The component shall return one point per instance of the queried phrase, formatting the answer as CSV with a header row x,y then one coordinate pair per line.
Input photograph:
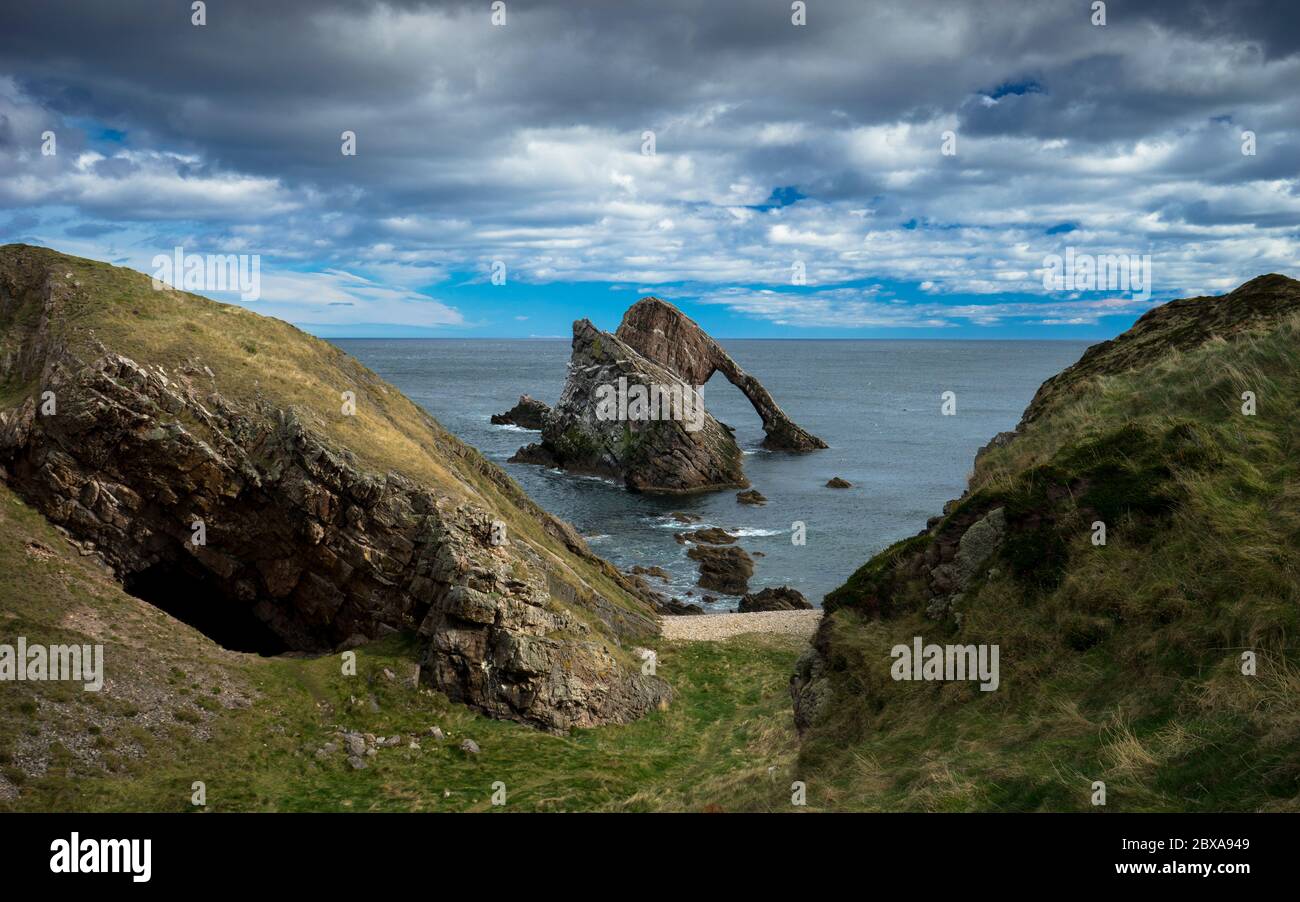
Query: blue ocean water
x,y
876,403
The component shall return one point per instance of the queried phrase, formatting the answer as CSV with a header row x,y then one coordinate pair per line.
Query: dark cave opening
x,y
189,594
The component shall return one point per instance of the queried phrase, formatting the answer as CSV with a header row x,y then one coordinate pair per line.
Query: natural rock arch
x,y
663,334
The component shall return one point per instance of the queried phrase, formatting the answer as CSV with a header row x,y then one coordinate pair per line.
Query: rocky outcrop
x,y
675,608
781,598
662,333
659,349
1179,325
529,413
675,446
711,536
242,506
724,569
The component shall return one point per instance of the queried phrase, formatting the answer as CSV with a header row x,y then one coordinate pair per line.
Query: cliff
x,y
1132,552
262,482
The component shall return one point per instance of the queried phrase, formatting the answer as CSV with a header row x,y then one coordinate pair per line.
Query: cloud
x,y
524,144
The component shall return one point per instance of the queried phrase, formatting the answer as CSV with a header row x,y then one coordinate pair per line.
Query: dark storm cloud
x,y
524,141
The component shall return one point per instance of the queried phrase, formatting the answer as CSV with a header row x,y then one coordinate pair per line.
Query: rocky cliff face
x,y
661,454
245,504
660,332
656,345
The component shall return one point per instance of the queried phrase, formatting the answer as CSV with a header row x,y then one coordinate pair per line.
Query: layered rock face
x,y
242,503
656,345
689,453
662,333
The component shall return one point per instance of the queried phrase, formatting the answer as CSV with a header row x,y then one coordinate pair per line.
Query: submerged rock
x,y
836,482
711,536
751,496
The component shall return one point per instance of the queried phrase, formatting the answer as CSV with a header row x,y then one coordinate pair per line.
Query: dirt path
x,y
711,627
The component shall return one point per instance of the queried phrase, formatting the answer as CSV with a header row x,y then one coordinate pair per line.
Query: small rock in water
x,y
838,483
711,536
751,496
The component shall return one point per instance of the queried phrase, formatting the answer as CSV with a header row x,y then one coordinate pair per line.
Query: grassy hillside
x,y
177,708
54,301
1121,662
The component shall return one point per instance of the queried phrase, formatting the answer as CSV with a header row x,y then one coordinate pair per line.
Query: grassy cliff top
x,y
54,303
1123,662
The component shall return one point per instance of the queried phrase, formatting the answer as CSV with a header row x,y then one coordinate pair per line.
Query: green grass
x,y
729,724
177,709
1118,663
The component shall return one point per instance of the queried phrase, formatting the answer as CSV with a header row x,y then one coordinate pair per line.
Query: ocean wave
x,y
747,531
511,427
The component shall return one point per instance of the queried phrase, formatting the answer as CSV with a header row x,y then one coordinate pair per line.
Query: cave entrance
x,y
191,596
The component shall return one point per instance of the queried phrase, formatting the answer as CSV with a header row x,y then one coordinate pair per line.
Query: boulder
x,y
782,598
675,608
836,482
726,569
750,496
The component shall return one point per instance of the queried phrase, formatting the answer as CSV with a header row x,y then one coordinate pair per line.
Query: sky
x,y
884,170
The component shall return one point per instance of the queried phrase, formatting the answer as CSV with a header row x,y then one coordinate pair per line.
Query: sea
x,y
877,403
